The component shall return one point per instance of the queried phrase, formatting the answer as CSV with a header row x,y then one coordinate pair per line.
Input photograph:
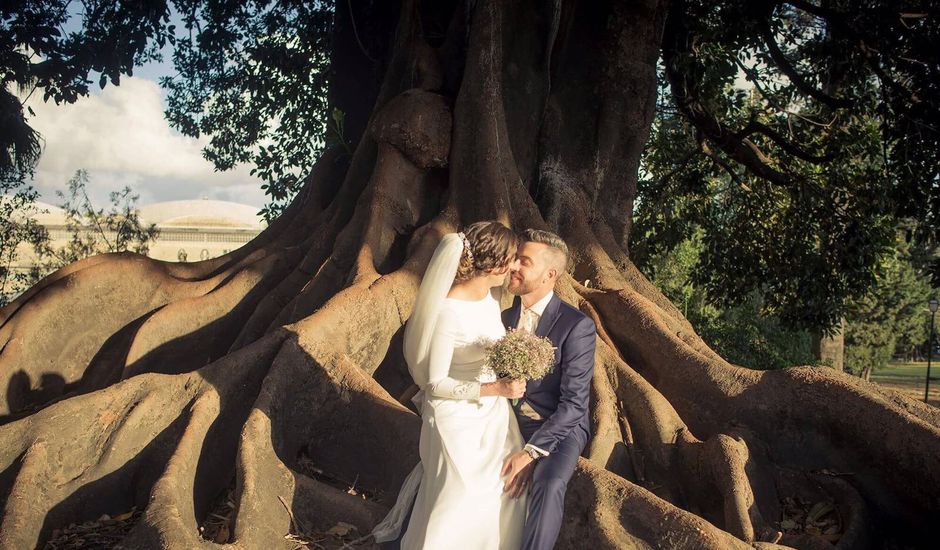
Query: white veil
x,y
438,278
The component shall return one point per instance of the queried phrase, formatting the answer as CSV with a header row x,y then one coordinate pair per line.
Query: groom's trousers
x,y
549,483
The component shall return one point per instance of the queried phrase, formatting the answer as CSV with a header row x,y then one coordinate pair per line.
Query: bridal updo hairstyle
x,y
492,245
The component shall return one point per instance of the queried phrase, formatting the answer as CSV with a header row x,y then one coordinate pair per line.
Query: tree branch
x,y
870,54
675,41
782,63
755,127
772,101
708,152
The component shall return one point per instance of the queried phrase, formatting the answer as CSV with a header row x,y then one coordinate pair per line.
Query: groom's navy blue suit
x,y
560,400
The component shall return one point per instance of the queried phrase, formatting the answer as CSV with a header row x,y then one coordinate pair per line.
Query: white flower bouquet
x,y
521,355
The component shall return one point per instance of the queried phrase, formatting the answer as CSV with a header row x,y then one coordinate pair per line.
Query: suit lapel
x,y
512,314
549,316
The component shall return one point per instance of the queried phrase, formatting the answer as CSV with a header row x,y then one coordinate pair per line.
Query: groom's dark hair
x,y
552,241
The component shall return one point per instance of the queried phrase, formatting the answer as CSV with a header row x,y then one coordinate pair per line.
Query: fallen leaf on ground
x,y
124,516
341,529
819,510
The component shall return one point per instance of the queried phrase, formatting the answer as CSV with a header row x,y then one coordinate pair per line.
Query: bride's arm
x,y
440,384
441,354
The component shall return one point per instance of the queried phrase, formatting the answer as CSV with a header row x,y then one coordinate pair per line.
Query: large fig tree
x,y
275,372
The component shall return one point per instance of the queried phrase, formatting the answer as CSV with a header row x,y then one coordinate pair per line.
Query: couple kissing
x,y
496,452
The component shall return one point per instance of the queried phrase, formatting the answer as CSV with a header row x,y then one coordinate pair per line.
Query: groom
x,y
553,414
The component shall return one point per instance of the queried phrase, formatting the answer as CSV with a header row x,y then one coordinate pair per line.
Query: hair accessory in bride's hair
x,y
466,246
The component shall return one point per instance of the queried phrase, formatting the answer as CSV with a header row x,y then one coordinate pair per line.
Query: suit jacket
x,y
561,398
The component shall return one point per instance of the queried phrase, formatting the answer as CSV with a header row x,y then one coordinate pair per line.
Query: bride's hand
x,y
504,387
513,388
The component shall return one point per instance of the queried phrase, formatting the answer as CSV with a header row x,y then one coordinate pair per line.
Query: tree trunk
x,y
830,349
275,372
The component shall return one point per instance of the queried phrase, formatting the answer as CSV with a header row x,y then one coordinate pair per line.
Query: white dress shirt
x,y
529,316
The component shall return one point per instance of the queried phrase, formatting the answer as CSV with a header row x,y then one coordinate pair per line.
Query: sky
x,y
120,136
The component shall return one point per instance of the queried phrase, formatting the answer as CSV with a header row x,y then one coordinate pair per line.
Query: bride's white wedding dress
x,y
464,439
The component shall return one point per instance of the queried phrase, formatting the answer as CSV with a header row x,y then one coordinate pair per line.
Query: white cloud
x,y
121,137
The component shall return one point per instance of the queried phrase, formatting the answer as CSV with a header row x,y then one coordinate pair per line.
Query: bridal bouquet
x,y
521,355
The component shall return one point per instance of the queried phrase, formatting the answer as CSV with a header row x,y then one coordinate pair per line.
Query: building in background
x,y
196,230
190,230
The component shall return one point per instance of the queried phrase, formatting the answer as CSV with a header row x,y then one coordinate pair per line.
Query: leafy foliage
x,y
745,334
797,180
18,229
109,40
253,77
91,231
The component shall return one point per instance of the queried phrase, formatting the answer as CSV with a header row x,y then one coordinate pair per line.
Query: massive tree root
x,y
275,372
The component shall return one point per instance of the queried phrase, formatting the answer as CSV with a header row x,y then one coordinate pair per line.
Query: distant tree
x,y
751,336
797,177
96,230
672,271
892,314
18,229
746,333
804,247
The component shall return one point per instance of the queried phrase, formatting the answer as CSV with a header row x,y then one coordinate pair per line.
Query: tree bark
x,y
275,372
830,349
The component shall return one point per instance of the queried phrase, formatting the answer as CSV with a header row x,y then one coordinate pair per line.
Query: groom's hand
x,y
517,469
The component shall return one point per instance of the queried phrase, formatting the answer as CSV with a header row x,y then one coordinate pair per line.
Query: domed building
x,y
193,230
190,230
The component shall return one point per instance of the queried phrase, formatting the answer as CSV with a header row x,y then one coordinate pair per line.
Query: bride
x,y
468,427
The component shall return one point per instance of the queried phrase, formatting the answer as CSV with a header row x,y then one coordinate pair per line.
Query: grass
x,y
909,378
909,370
